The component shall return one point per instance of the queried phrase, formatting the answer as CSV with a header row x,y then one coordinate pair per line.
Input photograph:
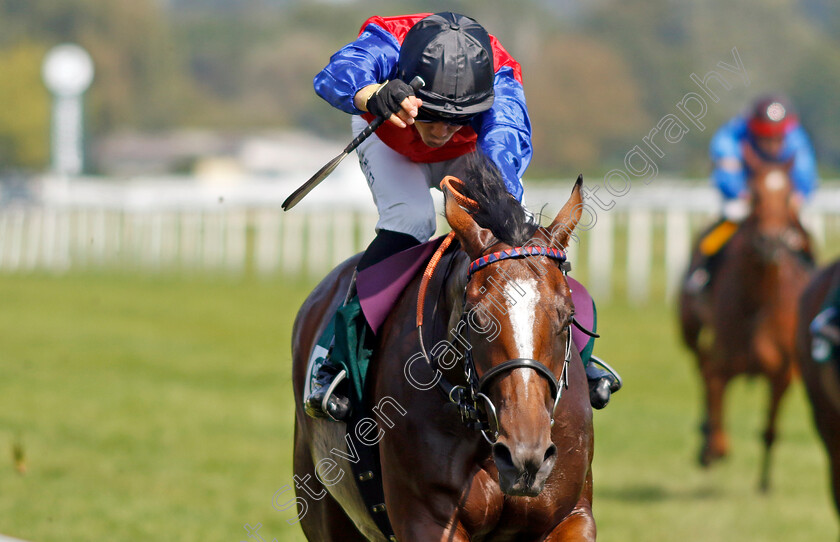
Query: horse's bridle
x,y
769,247
469,396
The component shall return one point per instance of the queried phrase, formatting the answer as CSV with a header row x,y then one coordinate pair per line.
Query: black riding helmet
x,y
453,55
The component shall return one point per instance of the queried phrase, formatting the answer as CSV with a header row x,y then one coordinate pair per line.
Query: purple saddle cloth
x,y
380,285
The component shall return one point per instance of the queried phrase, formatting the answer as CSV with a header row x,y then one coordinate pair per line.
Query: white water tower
x,y
67,71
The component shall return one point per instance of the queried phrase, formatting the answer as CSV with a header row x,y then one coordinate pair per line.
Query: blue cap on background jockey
x,y
454,56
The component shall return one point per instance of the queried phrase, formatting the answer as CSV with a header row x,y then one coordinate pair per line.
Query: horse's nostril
x,y
502,456
551,452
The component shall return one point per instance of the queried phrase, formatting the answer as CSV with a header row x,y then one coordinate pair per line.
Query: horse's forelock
x,y
498,210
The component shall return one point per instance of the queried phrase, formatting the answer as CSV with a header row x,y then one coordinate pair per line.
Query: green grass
x,y
148,409
648,486
161,409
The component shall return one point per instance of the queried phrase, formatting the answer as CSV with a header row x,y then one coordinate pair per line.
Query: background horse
x,y
745,323
531,478
822,380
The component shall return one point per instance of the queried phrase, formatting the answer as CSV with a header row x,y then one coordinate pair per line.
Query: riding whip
x,y
417,83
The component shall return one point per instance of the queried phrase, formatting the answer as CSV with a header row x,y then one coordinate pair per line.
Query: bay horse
x,y
822,380
526,476
745,323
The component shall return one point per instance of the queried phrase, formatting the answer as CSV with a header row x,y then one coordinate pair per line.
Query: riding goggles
x,y
426,115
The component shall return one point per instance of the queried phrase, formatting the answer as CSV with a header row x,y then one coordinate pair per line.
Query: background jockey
x,y
472,99
770,133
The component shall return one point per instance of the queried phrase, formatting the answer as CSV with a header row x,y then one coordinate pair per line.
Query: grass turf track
x,y
161,409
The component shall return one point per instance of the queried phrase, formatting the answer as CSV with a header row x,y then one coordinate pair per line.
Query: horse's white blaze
x,y
522,315
775,181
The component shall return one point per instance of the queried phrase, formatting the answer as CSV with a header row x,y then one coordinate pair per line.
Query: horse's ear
x,y
473,238
568,217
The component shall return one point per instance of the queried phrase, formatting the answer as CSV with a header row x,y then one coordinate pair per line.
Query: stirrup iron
x,y
605,366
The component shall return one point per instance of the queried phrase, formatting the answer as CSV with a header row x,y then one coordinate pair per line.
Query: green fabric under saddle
x,y
351,349
586,353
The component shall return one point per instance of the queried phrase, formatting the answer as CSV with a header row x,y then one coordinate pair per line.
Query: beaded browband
x,y
516,252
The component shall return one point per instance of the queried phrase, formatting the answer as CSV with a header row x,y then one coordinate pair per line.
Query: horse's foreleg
x,y
715,445
778,386
579,525
428,529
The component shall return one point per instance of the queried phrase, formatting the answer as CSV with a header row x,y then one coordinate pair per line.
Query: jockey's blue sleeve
x,y
729,174
804,171
371,58
730,183
504,132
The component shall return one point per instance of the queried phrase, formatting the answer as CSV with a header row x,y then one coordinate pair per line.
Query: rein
x,y
469,396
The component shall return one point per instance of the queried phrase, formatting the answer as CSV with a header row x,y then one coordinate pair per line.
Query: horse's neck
x,y
444,302
762,279
772,194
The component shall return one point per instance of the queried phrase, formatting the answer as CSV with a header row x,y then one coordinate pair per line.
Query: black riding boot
x,y
325,400
702,271
697,281
825,331
603,382
328,398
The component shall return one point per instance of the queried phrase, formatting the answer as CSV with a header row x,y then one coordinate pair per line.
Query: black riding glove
x,y
388,98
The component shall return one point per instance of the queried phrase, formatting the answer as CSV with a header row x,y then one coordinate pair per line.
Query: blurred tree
x,y
665,41
651,37
817,76
584,104
24,122
598,74
823,13
137,83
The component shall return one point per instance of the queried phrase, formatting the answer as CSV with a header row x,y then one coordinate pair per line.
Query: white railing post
x,y
814,223
639,255
267,241
677,249
4,236
317,244
236,241
601,252
159,226
293,245
343,237
34,235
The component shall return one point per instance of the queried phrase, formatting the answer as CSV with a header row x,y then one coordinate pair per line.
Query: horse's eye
x,y
565,321
480,316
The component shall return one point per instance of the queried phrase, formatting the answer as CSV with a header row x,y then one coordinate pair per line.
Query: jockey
x,y
472,98
770,133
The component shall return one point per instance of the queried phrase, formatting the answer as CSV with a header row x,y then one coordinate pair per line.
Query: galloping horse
x,y
822,380
750,308
526,475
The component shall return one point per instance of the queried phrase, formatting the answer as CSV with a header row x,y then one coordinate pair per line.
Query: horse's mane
x,y
498,209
